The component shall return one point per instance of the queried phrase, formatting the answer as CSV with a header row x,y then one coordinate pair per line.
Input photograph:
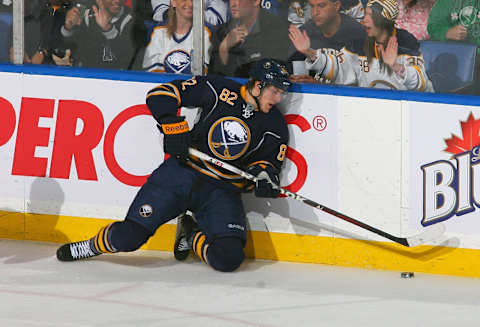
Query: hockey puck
x,y
407,274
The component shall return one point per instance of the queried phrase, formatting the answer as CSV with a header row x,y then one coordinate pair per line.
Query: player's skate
x,y
186,228
76,251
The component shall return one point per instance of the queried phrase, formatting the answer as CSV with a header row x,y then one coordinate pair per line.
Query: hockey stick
x,y
430,233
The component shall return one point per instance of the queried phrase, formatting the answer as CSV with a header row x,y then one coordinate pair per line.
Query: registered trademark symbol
x,y
319,123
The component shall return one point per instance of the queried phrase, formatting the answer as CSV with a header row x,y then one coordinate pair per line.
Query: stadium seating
x,y
450,65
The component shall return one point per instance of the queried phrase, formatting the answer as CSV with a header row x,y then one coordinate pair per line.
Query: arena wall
x,y
75,148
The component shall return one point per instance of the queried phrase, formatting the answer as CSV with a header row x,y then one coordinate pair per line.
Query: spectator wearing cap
x,y
389,59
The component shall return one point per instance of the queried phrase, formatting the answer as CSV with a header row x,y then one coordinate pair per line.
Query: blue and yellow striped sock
x,y
101,243
200,246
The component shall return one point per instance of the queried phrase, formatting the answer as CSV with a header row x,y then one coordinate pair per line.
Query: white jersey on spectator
x,y
351,67
215,11
354,9
172,54
299,11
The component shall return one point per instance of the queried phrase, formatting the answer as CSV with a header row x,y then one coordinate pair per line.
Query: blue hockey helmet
x,y
271,72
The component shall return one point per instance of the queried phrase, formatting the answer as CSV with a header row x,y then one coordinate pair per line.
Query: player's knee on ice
x,y
226,254
127,235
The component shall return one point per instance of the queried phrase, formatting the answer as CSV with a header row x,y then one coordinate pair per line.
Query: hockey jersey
x,y
299,11
353,8
228,128
215,11
350,66
172,54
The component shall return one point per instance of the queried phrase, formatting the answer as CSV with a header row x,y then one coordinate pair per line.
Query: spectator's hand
x,y
102,16
457,33
302,79
300,39
390,54
235,36
72,19
65,61
38,58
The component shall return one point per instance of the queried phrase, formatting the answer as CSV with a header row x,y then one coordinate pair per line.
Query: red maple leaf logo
x,y
471,137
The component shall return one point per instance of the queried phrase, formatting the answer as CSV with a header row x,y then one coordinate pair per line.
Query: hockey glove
x,y
267,185
177,138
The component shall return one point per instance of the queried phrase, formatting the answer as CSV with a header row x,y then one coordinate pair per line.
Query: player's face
x,y
270,96
243,8
113,6
183,8
370,28
324,11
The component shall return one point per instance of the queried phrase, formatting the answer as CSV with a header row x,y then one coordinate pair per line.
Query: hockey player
x,y
171,46
239,124
390,58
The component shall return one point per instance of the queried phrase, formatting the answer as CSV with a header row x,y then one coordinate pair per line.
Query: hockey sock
x,y
101,243
200,246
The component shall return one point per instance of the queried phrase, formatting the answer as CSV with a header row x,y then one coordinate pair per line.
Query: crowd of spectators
x,y
322,41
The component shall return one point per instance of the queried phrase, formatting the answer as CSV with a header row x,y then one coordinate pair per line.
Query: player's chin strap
x,y
261,87
429,233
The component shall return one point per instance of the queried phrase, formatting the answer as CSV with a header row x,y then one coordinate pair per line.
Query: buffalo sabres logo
x,y
177,62
145,211
229,138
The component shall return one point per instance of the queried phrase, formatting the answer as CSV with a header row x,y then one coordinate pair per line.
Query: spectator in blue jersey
x,y
328,28
252,34
215,11
104,35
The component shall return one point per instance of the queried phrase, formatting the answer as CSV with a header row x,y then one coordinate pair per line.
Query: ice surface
x,y
150,288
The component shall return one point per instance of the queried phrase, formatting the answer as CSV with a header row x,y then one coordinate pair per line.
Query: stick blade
x,y
429,234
